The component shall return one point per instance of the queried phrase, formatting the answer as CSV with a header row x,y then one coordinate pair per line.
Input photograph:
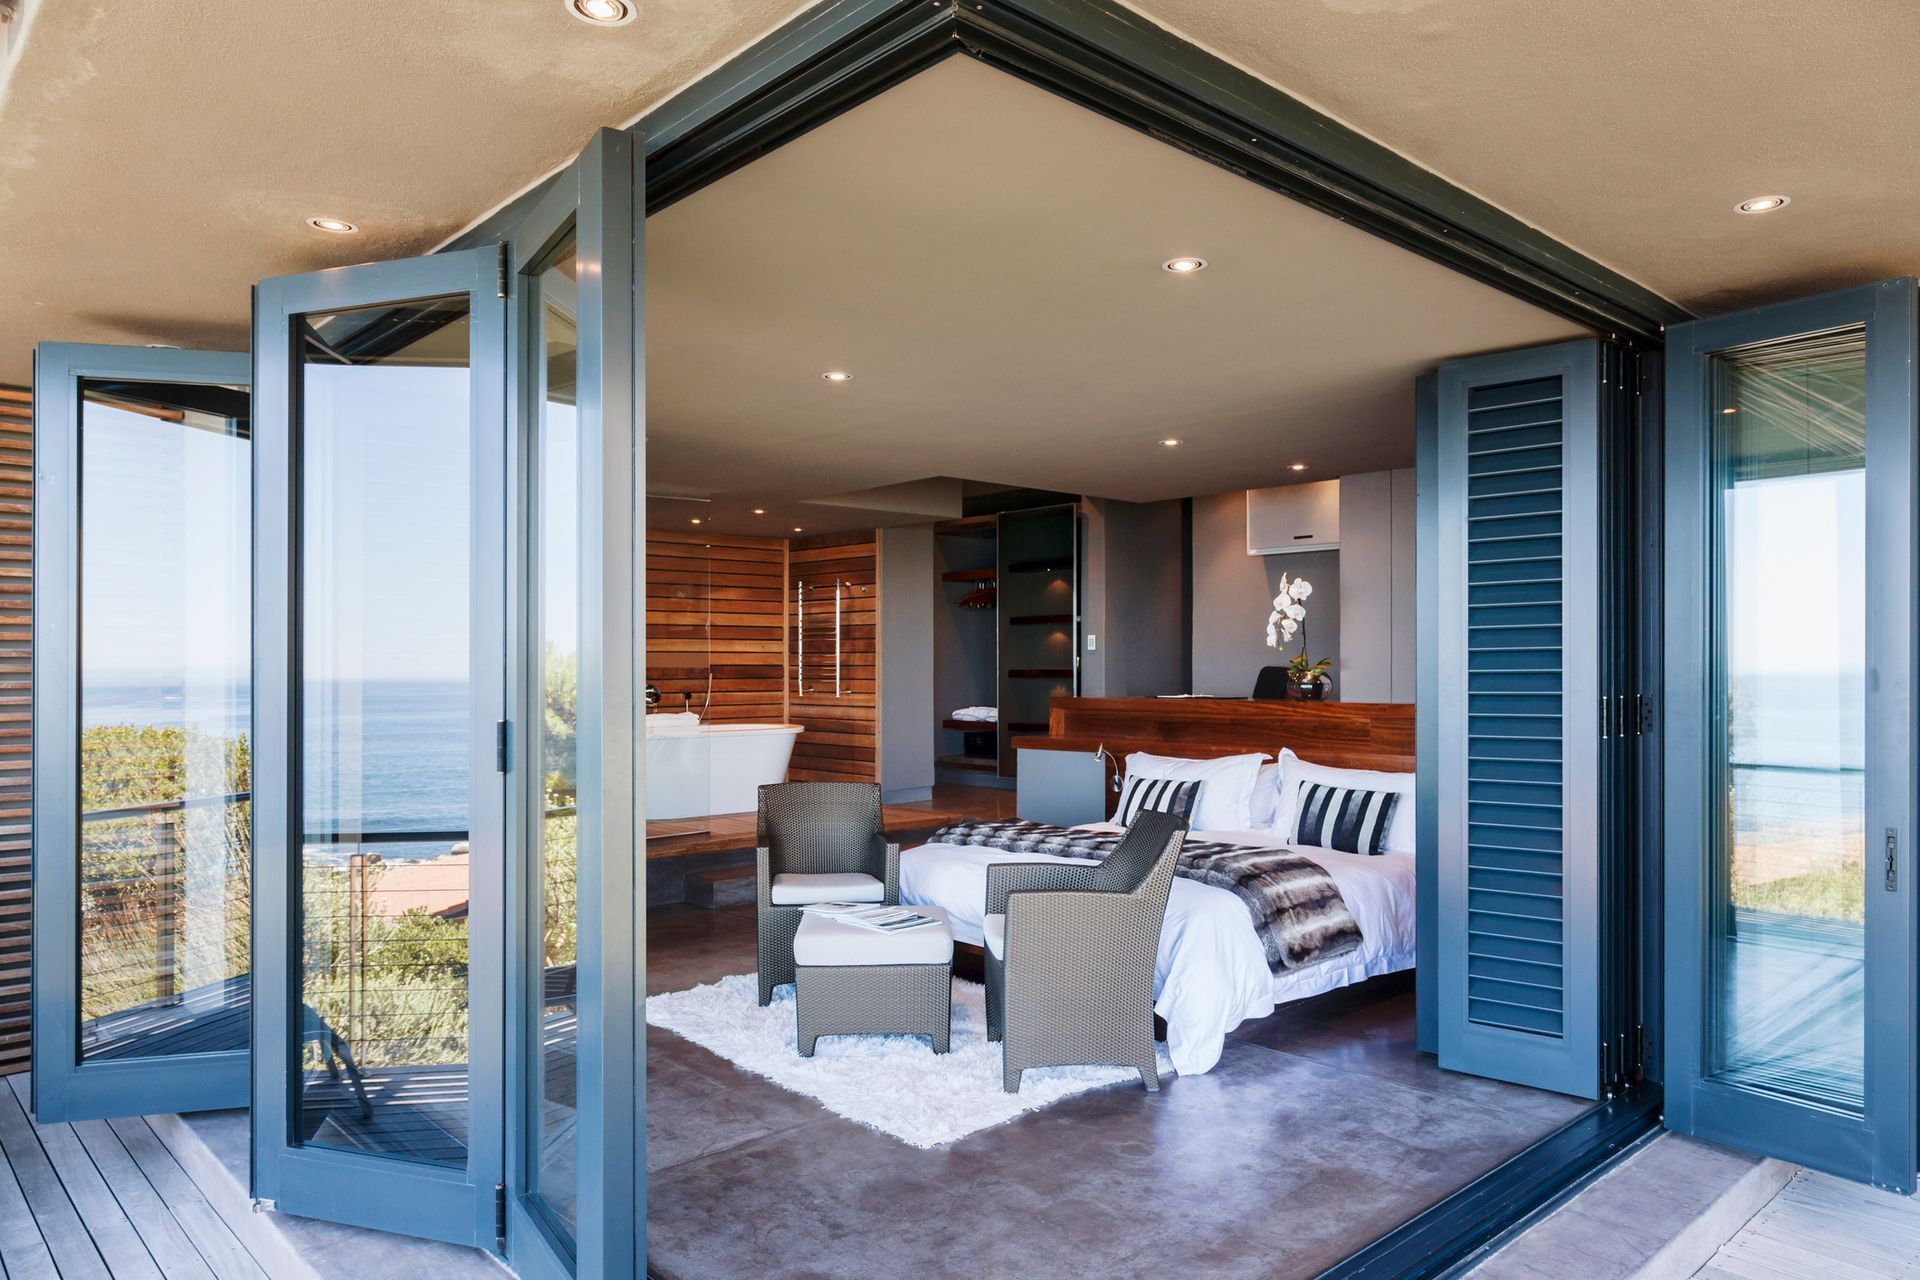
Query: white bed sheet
x,y
1211,974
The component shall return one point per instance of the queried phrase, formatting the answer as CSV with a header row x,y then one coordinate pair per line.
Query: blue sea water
x,y
380,756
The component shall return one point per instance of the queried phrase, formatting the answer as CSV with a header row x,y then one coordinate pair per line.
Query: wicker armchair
x,y
1070,955
829,833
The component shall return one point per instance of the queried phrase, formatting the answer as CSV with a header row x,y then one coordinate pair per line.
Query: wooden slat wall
x,y
714,603
16,725
841,742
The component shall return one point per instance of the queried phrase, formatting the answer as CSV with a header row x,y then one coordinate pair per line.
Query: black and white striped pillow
x,y
1160,795
1344,818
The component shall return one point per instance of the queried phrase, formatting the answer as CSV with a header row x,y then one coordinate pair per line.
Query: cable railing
x,y
387,965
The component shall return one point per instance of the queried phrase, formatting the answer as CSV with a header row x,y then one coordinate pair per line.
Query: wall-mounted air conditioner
x,y
1293,517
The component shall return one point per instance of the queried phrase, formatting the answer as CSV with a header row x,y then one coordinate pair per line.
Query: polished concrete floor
x,y
1320,1130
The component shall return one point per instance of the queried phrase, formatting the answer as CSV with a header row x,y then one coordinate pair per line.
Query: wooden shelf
x,y
969,575
1040,566
1041,620
979,764
1040,673
1026,726
971,726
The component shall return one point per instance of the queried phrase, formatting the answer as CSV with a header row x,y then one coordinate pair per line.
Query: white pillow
x,y
1266,797
1226,786
1400,836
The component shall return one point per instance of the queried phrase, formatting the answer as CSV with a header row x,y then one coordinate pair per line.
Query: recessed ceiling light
x,y
695,520
332,226
601,13
798,529
837,375
1763,204
1296,466
1184,266
1729,411
1171,443
759,511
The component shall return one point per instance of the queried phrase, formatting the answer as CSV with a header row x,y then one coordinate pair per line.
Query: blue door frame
x,y
64,1086
1879,1145
459,1205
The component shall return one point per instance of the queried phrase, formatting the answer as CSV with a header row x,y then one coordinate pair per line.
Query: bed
x,y
1212,972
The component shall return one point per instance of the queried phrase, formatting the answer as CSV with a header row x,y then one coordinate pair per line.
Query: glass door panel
x,y
573,1190
143,856
1789,955
555,1172
1790,937
379,795
386,731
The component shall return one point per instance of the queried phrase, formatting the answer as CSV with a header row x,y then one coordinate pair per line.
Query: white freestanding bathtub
x,y
698,769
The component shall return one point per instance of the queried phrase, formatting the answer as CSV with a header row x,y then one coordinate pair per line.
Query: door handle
x,y
1893,860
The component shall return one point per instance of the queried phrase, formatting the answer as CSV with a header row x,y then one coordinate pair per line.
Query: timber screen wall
x,y
16,725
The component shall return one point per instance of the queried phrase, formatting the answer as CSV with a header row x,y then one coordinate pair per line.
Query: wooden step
x,y
722,887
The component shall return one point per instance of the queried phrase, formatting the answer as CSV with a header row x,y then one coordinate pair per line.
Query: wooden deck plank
x,y
23,1251
112,1232
223,1252
73,1249
1823,1228
166,1241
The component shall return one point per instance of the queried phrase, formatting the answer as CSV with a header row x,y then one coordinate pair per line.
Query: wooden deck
x,y
1824,1228
104,1198
209,1019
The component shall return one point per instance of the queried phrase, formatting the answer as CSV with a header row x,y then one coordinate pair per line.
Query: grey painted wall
x,y
1233,592
1135,599
964,652
1377,587
908,608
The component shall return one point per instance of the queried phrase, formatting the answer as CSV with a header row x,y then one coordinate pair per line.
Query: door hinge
x,y
500,1213
500,742
1643,1041
1893,860
506,267
1644,705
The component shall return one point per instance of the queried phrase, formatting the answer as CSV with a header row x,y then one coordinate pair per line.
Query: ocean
x,y
382,756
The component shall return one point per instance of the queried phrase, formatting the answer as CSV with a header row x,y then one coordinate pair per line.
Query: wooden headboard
x,y
1346,735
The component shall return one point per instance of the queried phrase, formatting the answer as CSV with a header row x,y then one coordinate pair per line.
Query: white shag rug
x,y
896,1084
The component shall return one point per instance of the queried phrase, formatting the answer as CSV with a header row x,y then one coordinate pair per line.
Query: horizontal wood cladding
x,y
834,691
716,624
16,726
1347,735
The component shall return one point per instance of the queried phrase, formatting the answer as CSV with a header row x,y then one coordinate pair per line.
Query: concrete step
x,y
722,887
1660,1215
213,1147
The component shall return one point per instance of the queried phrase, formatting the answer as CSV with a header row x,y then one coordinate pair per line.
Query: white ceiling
x,y
985,258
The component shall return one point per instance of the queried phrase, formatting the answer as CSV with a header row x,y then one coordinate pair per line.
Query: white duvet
x,y
1211,974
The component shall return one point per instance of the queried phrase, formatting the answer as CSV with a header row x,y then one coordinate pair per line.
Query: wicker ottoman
x,y
851,981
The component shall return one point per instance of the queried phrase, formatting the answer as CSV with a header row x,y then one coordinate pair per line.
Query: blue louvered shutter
x,y
1516,704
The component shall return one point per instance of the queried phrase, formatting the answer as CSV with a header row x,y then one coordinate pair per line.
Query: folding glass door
x,y
576,1069
1790,665
379,796
141,749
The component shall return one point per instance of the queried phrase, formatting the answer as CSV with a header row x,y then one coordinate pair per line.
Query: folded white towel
x,y
658,720
987,715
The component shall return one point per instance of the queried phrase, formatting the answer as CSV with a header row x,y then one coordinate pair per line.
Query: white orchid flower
x,y
1301,589
1295,612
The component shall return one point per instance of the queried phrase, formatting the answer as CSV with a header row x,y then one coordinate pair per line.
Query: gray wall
x,y
1377,597
1135,599
908,598
1233,593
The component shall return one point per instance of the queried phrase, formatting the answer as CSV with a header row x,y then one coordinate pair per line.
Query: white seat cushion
x,y
829,886
995,929
823,940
